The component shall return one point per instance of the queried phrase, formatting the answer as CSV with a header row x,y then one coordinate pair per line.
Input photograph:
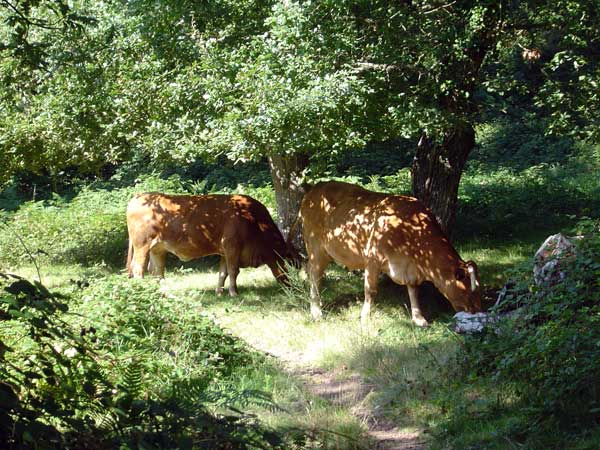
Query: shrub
x,y
517,143
63,386
136,318
550,353
505,201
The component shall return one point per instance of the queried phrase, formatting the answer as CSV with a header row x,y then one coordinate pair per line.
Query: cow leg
x,y
222,275
139,262
156,266
371,279
232,258
417,317
316,267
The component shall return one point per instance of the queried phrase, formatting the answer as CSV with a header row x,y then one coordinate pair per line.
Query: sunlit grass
x,y
495,258
408,367
390,352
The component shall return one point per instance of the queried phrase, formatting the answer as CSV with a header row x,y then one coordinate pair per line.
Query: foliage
x,y
157,82
376,158
506,201
549,66
48,382
281,91
81,386
32,26
149,322
518,143
296,289
548,353
89,229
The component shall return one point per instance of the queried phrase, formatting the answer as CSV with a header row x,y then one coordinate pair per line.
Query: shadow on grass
x,y
391,297
343,289
340,291
405,367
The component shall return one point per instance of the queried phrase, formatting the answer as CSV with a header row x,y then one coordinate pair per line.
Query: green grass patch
x,y
167,339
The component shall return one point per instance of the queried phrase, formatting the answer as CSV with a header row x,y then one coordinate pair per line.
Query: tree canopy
x,y
97,83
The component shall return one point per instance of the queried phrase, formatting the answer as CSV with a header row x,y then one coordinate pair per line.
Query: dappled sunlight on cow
x,y
378,232
237,227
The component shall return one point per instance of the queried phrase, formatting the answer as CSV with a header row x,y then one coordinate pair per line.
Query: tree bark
x,y
287,172
437,169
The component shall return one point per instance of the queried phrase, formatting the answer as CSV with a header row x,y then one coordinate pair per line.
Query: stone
x,y
550,257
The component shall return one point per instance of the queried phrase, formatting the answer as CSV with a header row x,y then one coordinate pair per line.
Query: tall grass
x,y
90,228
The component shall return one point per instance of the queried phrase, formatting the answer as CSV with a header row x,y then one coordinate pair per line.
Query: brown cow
x,y
378,232
237,227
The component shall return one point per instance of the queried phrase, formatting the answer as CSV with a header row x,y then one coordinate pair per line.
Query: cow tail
x,y
129,258
292,231
305,187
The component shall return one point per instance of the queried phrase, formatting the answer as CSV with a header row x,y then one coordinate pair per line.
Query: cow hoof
x,y
219,292
316,313
233,294
420,322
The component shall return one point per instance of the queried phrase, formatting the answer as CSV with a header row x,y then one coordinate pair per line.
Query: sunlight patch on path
x,y
287,333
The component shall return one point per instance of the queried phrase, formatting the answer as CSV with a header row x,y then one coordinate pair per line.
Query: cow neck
x,y
444,278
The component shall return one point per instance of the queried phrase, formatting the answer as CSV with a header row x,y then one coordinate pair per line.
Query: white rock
x,y
547,260
471,323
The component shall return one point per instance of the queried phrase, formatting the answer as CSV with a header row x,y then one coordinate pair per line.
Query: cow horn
x,y
473,277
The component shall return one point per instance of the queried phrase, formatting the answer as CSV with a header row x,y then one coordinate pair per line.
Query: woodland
x,y
487,111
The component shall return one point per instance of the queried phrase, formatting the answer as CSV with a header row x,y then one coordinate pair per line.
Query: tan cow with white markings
x,y
378,232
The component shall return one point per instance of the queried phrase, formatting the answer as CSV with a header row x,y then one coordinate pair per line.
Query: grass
x,y
416,383
404,362
496,258
411,369
192,292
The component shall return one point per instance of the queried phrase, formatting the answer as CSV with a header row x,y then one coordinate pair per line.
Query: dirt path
x,y
350,392
339,387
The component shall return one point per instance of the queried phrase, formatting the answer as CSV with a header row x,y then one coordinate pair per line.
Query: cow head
x,y
283,261
466,295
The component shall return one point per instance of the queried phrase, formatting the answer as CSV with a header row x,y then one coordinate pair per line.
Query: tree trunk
x,y
287,173
436,172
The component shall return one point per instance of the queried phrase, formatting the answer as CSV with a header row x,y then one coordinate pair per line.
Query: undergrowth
x,y
541,362
115,370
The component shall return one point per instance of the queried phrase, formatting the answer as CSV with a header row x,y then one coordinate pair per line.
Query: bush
x,y
517,143
504,201
88,229
88,385
550,353
135,317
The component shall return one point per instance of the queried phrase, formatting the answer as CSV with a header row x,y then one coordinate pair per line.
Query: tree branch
x,y
28,20
429,11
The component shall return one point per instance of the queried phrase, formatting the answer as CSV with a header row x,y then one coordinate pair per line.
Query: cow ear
x,y
473,274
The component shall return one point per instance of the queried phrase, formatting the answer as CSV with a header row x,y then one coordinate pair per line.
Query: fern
x,y
133,379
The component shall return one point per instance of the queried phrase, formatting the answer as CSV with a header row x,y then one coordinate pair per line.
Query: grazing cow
x,y
237,227
378,232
